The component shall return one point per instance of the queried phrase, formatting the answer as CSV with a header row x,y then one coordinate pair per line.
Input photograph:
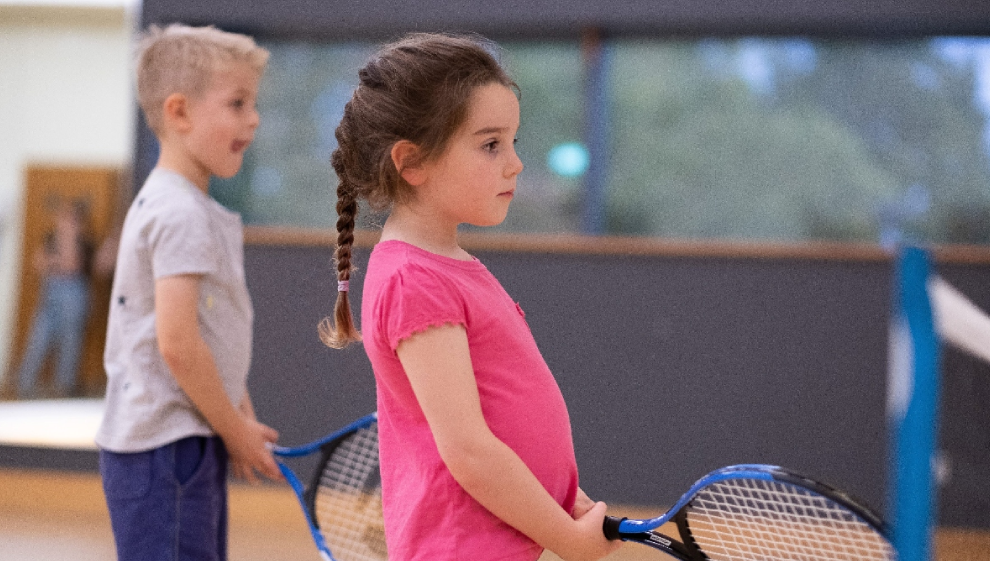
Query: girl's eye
x,y
237,103
491,146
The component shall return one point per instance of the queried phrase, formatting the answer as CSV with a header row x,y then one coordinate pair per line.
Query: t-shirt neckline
x,y
473,264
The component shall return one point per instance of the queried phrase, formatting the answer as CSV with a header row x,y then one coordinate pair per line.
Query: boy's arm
x,y
241,470
189,359
438,364
246,407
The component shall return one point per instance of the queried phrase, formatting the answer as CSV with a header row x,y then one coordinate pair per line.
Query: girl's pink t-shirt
x,y
428,516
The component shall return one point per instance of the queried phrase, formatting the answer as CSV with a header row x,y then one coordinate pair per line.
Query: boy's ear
x,y
405,157
176,112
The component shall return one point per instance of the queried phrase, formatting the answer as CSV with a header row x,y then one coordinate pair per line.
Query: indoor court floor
x,y
61,516
57,516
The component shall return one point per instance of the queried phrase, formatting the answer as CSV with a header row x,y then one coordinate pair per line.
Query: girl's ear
x,y
405,157
176,112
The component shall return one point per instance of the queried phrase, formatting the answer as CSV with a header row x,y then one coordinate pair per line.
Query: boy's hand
x,y
250,453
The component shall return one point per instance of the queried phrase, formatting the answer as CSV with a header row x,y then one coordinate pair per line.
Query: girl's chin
x,y
488,223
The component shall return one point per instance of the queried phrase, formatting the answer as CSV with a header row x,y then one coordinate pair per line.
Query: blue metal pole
x,y
913,408
596,66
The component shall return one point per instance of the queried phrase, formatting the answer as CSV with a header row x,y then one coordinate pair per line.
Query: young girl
x,y
477,458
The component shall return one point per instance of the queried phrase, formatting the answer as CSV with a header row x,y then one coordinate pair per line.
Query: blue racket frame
x,y
297,486
750,471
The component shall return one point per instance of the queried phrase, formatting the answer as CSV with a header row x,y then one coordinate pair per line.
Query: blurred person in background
x,y
64,262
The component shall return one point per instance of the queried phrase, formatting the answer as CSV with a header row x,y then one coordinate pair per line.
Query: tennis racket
x,y
343,501
758,512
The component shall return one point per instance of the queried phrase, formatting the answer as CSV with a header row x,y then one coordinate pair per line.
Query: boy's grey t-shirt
x,y
172,228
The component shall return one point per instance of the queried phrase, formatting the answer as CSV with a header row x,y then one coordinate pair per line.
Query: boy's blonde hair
x,y
182,59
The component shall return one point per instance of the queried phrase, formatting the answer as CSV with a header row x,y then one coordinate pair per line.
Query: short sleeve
x,y
181,242
417,298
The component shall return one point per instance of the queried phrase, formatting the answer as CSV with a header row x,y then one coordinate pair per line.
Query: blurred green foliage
x,y
782,139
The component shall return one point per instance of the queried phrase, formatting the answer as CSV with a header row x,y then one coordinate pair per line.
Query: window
x,y
782,139
286,179
795,139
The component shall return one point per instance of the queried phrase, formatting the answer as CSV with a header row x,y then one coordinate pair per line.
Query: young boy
x,y
179,336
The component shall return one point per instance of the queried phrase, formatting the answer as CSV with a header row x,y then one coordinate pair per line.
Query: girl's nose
x,y
514,166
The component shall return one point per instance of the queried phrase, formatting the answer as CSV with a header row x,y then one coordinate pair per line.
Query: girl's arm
x,y
582,504
438,364
190,360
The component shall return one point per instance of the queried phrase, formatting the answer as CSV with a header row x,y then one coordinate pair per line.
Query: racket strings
x,y
349,502
746,519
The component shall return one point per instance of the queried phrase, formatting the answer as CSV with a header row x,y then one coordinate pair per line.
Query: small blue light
x,y
569,159
266,181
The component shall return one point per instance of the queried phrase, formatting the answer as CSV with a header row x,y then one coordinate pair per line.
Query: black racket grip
x,y
611,527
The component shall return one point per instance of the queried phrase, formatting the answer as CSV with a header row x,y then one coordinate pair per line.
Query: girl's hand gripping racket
x,y
343,501
759,512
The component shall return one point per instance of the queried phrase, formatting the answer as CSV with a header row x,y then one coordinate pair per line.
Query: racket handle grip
x,y
611,527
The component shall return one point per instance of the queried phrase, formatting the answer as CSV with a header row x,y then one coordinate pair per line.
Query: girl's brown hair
x,y
416,89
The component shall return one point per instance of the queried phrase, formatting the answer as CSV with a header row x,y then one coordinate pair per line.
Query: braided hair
x,y
416,89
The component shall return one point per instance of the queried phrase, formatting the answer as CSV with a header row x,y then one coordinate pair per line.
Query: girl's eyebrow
x,y
490,130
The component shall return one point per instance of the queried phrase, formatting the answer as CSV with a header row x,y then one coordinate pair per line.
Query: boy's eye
x,y
491,145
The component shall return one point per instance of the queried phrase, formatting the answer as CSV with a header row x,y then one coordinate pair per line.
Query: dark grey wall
x,y
965,416
671,366
339,19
